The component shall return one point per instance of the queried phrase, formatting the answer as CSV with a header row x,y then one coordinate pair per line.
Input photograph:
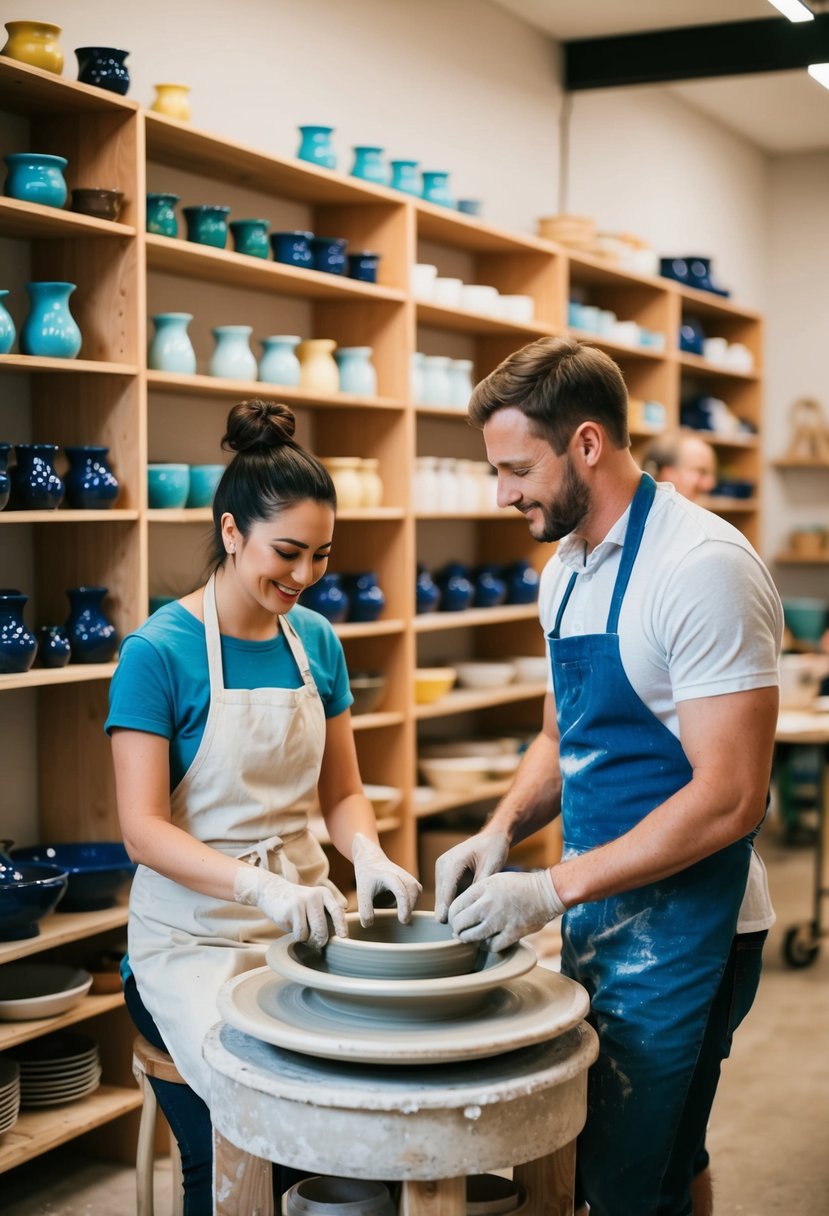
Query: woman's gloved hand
x,y
374,872
504,908
298,910
483,855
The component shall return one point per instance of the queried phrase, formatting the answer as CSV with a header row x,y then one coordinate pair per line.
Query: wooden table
x,y
427,1127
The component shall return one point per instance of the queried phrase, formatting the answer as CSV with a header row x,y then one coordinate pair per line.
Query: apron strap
x,y
556,632
213,640
298,651
639,509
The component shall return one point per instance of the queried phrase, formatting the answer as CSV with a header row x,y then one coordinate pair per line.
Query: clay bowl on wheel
x,y
422,949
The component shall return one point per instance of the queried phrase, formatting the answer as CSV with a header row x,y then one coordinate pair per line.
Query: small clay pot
x,y
103,204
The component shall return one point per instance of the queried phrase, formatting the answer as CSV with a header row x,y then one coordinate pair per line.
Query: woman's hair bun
x,y
256,426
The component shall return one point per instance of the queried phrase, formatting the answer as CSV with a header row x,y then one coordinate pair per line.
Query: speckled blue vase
x,y
522,583
35,484
104,67
316,146
368,165
292,248
490,588
367,600
36,177
427,593
328,598
18,646
7,330
91,484
53,649
92,637
455,587
161,214
405,177
5,479
50,329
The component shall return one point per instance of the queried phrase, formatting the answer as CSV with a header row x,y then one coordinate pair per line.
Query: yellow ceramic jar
x,y
318,371
36,43
347,479
372,482
172,100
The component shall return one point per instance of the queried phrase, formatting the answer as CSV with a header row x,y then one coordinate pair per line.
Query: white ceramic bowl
x,y
446,292
484,674
478,297
423,278
422,949
384,798
452,748
516,308
531,668
456,774
40,990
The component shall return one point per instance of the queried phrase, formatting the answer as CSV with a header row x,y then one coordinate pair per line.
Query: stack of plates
x,y
57,1068
9,1093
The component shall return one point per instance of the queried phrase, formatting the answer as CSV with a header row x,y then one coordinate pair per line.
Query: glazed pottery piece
x,y
161,214
347,479
490,588
469,206
36,43
316,146
104,67
363,266
7,330
456,589
459,375
171,349
168,486
522,583
422,949
328,253
436,386
367,689
5,479
405,177
172,100
102,203
40,990
97,870
28,892
368,165
292,248
232,358
35,486
36,177
279,364
207,224
366,596
492,1195
372,482
90,483
203,481
318,367
50,328
436,188
327,597
427,593
18,646
92,637
53,649
327,1196
357,374
250,237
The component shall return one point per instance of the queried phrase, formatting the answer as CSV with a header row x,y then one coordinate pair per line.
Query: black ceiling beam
x,y
698,52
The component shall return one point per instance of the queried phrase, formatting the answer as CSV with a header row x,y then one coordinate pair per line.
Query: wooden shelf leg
x,y
549,1182
242,1184
446,1197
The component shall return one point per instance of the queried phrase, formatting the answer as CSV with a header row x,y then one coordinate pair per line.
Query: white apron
x,y
246,794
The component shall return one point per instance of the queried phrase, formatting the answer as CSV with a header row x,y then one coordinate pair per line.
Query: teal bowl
x,y
203,481
168,485
806,618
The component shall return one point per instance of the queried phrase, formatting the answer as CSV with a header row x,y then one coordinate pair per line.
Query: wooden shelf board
x,y
202,515
38,1131
503,513
590,268
30,90
172,256
443,411
695,363
12,1033
371,629
435,316
462,700
66,516
445,226
317,825
434,622
798,559
793,462
373,721
643,431
742,442
74,673
39,363
358,514
213,386
441,802
63,927
730,506
624,350
22,219
708,304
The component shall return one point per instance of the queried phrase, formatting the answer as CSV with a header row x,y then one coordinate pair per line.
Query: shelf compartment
x,y
352,630
447,227
31,220
38,677
730,506
63,927
12,1033
67,516
715,371
213,386
441,802
29,90
39,363
463,700
705,304
374,721
434,622
436,316
38,1131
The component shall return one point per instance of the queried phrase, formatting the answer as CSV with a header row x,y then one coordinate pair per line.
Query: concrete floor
x,y
768,1136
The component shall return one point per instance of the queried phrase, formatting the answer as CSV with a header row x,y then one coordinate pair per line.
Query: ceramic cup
x,y
292,248
167,486
103,204
203,481
207,224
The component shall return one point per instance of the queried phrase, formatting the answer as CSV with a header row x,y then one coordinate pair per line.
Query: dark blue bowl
x,y
97,871
28,892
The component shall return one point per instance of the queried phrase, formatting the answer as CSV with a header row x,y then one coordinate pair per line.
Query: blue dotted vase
x,y
328,598
366,596
91,484
35,484
18,646
427,593
104,67
171,349
50,328
36,177
92,637
455,587
279,364
53,648
7,330
316,146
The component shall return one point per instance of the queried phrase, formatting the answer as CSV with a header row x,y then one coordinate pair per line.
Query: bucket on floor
x,y
491,1195
328,1196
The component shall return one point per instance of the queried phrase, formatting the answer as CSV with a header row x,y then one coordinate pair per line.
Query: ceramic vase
x,y
35,486
372,483
104,67
5,479
232,358
92,636
455,587
436,189
207,224
171,349
279,364
436,385
368,165
328,598
366,597
7,330
427,592
161,214
35,177
50,328
357,374
405,177
490,588
459,375
318,367
328,254
250,237
36,43
316,146
363,266
522,583
347,479
90,483
53,648
172,100
292,248
18,646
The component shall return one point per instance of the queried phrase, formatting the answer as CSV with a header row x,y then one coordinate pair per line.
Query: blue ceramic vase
x,y
250,237
405,177
53,648
91,636
7,330
279,364
366,597
455,587
50,328
5,480
490,588
161,214
35,485
357,374
232,358
293,248
368,165
90,483
427,593
207,224
316,146
363,266
692,336
436,189
522,583
171,349
104,67
328,253
18,646
328,598
36,177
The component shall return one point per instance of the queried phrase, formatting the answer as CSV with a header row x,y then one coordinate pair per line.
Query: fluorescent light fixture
x,y
795,10
820,73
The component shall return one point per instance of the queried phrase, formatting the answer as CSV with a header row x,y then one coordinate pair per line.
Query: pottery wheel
x,y
524,1011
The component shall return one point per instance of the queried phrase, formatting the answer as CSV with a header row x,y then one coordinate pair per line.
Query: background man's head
x,y
686,460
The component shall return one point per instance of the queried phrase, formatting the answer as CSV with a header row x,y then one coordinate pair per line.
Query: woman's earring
x,y
231,548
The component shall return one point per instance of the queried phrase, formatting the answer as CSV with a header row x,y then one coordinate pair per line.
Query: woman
x,y
226,718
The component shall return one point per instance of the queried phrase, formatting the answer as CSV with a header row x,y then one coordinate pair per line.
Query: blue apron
x,y
652,958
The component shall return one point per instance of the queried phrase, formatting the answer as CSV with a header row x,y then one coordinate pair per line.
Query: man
x,y
664,630
685,459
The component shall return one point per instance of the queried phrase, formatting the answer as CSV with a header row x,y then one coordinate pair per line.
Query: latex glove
x,y
374,872
483,854
298,910
504,908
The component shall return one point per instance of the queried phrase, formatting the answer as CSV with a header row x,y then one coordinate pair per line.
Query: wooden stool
x,y
149,1061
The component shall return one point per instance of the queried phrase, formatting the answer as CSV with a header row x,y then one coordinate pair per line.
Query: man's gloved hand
x,y
298,910
374,872
483,854
504,908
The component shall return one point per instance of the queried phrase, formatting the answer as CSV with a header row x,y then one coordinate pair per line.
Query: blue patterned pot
x,y
90,483
53,648
92,637
7,330
5,479
368,165
427,593
250,237
161,214
363,266
50,328
279,364
18,646
207,224
405,177
328,253
455,587
35,484
104,67
36,177
328,598
292,248
316,146
367,600
490,587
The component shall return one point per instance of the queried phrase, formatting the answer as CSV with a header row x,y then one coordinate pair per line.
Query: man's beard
x,y
564,514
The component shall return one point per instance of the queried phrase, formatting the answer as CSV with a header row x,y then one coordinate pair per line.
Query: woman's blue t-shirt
x,y
161,684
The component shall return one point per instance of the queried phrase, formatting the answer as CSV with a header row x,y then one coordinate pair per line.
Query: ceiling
x,y
780,112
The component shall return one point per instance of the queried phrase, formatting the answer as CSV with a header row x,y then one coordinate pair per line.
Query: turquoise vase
x,y
316,146
7,330
250,237
368,165
232,358
436,189
207,224
279,364
35,177
405,177
357,374
92,637
171,349
50,328
161,214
